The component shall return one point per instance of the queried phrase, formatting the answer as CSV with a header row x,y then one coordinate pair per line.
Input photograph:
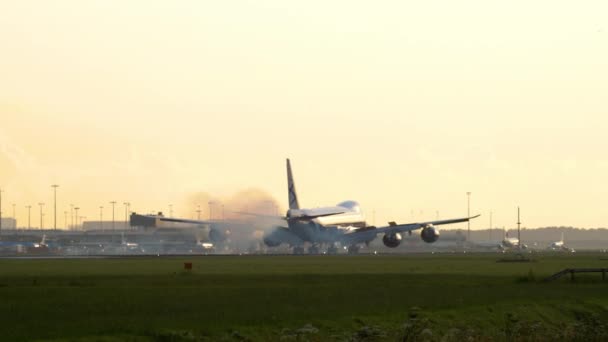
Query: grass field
x,y
398,297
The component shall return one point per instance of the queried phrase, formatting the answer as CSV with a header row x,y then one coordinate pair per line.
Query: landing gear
x,y
298,250
353,249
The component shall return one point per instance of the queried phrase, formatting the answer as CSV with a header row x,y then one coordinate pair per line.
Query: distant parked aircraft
x,y
560,246
28,246
506,244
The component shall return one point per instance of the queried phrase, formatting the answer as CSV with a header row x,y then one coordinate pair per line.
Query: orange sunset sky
x,y
402,105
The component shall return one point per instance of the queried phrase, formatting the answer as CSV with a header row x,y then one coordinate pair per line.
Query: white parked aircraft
x,y
509,242
560,246
343,225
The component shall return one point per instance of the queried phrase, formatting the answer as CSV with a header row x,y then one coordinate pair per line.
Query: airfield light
x,y
55,186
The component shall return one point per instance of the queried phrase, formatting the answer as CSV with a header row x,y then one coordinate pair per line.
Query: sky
x,y
404,106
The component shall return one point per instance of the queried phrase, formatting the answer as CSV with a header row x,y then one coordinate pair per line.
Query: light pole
x,y
55,186
14,217
113,203
65,219
210,203
29,217
76,217
518,229
101,217
126,213
468,216
41,215
170,210
72,216
199,212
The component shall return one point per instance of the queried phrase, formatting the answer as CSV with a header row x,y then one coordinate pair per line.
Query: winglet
x,y
291,189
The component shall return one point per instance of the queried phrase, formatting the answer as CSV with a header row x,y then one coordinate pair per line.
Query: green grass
x,y
301,298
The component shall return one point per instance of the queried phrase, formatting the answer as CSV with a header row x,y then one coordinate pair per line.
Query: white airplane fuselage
x,y
352,215
510,242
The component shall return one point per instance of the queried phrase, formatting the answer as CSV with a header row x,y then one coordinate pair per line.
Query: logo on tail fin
x,y
291,189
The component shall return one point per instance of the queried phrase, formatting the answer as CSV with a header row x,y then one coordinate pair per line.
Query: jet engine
x,y
392,240
429,234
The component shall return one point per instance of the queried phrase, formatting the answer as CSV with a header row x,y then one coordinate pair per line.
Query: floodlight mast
x,y
55,186
518,228
113,203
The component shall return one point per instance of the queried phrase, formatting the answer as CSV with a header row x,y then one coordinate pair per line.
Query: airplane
x,y
509,242
343,224
504,245
560,246
123,247
28,246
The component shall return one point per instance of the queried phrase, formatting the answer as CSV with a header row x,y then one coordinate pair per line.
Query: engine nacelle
x,y
392,240
217,235
429,234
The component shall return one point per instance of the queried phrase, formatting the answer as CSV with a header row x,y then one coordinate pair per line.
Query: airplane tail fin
x,y
291,189
562,240
43,241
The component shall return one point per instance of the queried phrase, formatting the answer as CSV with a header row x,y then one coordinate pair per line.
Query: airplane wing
x,y
275,217
300,215
364,235
168,219
408,227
